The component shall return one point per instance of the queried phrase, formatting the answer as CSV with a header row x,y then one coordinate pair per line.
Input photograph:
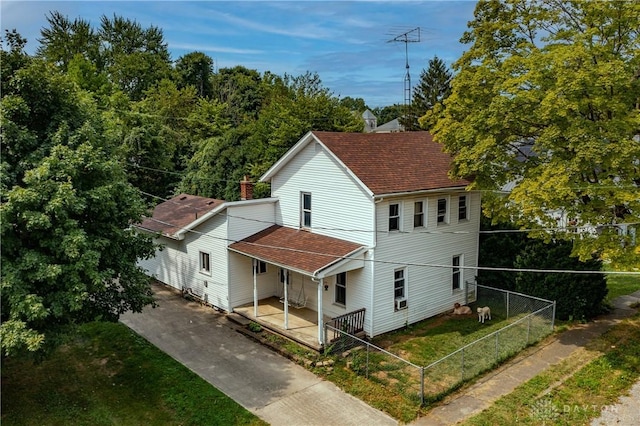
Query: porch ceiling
x,y
298,250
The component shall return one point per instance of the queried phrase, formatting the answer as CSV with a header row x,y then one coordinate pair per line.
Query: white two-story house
x,y
364,222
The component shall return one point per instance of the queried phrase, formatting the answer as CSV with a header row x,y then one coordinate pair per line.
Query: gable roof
x,y
296,249
385,163
171,216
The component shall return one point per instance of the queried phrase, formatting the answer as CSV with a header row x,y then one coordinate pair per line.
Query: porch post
x,y
255,288
320,316
286,299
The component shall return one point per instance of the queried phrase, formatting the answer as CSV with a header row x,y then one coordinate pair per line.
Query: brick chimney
x,y
246,189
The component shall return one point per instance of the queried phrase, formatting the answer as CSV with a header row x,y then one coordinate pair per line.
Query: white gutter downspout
x,y
255,288
286,299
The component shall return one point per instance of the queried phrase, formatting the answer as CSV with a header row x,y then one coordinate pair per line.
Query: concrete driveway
x,y
267,384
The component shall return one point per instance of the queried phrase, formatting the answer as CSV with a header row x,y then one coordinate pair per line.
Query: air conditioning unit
x,y
401,304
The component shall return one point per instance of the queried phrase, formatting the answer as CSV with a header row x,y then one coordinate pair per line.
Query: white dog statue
x,y
460,310
484,313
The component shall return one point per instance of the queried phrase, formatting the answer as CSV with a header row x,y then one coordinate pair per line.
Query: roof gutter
x,y
425,191
318,272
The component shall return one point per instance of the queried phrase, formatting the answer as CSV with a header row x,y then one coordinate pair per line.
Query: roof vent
x,y
210,202
183,198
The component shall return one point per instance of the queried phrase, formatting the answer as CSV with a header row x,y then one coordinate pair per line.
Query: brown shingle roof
x,y
393,162
177,213
295,249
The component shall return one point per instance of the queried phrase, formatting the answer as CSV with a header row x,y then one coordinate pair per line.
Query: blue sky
x,y
345,42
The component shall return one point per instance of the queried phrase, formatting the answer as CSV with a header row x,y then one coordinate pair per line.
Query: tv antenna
x,y
411,36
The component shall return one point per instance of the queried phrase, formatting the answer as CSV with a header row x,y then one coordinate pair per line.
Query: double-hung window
x,y
205,263
341,288
462,207
455,272
394,217
398,284
305,210
261,267
442,210
418,214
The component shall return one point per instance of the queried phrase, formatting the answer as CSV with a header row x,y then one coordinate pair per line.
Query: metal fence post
x,y
508,301
462,364
529,328
367,371
421,386
497,350
553,316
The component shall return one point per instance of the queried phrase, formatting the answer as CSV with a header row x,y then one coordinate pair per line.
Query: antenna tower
x,y
411,36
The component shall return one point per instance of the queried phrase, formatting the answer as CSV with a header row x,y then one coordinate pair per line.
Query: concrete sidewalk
x,y
505,379
267,384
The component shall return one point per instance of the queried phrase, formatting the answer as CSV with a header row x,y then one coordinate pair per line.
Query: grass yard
x,y
620,285
575,390
108,375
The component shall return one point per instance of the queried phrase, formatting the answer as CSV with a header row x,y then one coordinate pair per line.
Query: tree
x,y
577,296
195,69
434,87
64,39
546,97
68,253
136,58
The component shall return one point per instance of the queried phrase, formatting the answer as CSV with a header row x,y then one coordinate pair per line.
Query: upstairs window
x,y
418,214
341,288
205,263
462,207
442,210
394,217
305,210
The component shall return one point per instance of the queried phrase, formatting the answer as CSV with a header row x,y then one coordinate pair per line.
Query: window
x,y
398,284
260,267
341,288
455,273
462,207
442,210
394,217
305,216
205,264
418,214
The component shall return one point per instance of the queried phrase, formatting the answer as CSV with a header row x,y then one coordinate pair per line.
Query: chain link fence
x,y
529,320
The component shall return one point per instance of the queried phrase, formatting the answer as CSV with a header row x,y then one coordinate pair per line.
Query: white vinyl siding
x,y
428,289
341,208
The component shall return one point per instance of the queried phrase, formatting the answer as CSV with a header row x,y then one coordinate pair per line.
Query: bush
x,y
578,296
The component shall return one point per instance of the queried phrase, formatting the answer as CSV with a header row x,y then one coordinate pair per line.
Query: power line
x,y
432,265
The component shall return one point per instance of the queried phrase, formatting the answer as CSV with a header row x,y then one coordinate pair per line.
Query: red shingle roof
x,y
177,213
295,249
393,162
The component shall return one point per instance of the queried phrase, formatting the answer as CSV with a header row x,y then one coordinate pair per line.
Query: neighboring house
x,y
371,124
356,220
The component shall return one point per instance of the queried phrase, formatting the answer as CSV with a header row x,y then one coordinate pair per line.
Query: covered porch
x,y
302,322
302,257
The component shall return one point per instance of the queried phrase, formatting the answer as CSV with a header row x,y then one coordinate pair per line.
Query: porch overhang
x,y
304,252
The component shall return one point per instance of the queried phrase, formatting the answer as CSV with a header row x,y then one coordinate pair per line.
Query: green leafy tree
x,y
577,296
196,69
240,89
68,253
136,58
63,39
547,97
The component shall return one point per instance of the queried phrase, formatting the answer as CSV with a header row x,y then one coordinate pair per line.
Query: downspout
x,y
373,263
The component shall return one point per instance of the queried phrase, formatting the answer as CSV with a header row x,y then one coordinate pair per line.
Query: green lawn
x,y
620,285
108,375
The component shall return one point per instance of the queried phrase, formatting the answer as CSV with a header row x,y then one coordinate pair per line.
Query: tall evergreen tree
x,y
433,88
